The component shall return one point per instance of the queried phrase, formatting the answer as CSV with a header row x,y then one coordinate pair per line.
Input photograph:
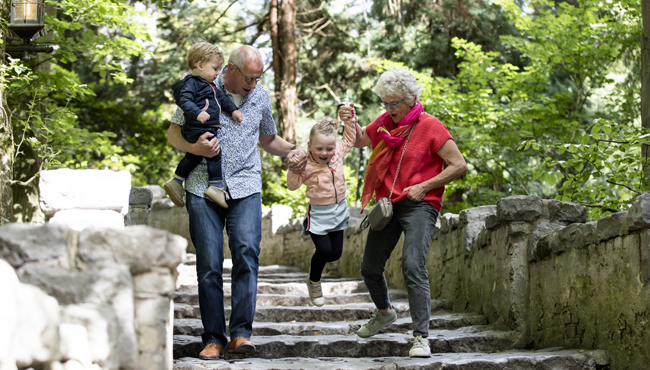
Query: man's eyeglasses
x,y
391,105
249,79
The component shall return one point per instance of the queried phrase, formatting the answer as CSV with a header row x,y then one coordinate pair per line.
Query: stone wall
x,y
81,198
166,216
100,298
530,265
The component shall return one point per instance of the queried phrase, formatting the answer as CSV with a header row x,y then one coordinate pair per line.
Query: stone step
x,y
327,313
190,265
511,360
334,288
439,320
294,300
291,278
467,339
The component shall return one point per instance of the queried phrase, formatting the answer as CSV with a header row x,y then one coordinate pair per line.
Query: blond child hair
x,y
203,52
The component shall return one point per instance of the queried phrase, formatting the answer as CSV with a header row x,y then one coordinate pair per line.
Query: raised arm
x,y
349,134
361,138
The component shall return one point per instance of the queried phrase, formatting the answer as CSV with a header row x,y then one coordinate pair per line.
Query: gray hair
x,y
398,82
241,53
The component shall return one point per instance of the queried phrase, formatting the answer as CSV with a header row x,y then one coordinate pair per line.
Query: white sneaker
x,y
315,292
420,347
377,322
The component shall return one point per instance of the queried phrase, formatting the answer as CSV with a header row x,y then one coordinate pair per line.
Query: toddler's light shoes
x,y
175,192
218,195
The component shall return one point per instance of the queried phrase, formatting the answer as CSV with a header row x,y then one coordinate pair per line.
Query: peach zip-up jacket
x,y
326,182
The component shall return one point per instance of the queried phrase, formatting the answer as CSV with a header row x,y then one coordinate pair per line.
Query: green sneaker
x,y
377,322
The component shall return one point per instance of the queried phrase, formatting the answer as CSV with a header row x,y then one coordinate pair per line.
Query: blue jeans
x,y
417,220
244,227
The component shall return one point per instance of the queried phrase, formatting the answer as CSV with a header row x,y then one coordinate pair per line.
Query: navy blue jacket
x,y
194,95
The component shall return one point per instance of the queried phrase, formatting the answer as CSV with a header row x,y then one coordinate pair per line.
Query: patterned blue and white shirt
x,y
240,157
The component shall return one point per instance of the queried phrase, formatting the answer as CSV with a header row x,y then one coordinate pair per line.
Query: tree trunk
x,y
6,140
288,112
275,45
26,207
645,85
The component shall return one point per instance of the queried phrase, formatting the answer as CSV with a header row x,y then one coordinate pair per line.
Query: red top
x,y
421,161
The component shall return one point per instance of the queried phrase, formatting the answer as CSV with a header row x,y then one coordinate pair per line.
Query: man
x,y
242,175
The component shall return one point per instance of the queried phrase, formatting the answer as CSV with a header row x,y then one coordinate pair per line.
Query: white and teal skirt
x,y
322,219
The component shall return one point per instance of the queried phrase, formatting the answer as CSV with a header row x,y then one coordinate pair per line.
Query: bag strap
x,y
402,157
366,220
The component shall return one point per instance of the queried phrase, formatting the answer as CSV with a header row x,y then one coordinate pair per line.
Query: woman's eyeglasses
x,y
391,105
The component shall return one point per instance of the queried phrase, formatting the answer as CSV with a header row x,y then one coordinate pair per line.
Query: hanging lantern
x,y
27,20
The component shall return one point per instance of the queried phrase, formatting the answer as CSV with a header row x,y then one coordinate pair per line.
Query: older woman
x,y
416,197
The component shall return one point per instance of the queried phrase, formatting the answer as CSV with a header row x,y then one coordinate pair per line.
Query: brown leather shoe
x,y
241,345
212,351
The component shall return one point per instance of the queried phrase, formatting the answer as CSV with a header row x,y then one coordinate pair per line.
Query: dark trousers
x,y
417,220
189,162
329,248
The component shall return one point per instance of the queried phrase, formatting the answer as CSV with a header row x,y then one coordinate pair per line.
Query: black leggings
x,y
329,248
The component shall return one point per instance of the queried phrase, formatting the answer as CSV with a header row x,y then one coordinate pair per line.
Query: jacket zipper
x,y
336,197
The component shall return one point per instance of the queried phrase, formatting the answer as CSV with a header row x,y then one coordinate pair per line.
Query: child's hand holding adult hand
x,y
297,160
347,112
236,115
203,117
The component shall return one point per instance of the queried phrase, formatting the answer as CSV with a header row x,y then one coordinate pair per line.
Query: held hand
x,y
207,145
416,192
346,112
203,117
236,115
297,160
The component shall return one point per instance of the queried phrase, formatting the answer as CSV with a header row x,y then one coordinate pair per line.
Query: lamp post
x,y
27,20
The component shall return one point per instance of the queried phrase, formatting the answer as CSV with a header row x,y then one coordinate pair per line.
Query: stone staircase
x,y
290,333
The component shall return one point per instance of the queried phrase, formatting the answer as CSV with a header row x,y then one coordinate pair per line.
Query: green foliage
x,y
560,127
596,163
41,96
419,33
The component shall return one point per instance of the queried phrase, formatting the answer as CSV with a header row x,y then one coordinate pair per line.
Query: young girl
x,y
327,215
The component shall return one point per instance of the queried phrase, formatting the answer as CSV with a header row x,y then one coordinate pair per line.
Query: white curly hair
x,y
399,82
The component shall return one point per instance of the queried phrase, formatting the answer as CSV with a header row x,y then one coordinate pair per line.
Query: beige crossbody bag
x,y
382,212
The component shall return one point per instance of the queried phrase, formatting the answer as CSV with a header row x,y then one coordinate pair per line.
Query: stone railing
x,y
95,299
88,291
